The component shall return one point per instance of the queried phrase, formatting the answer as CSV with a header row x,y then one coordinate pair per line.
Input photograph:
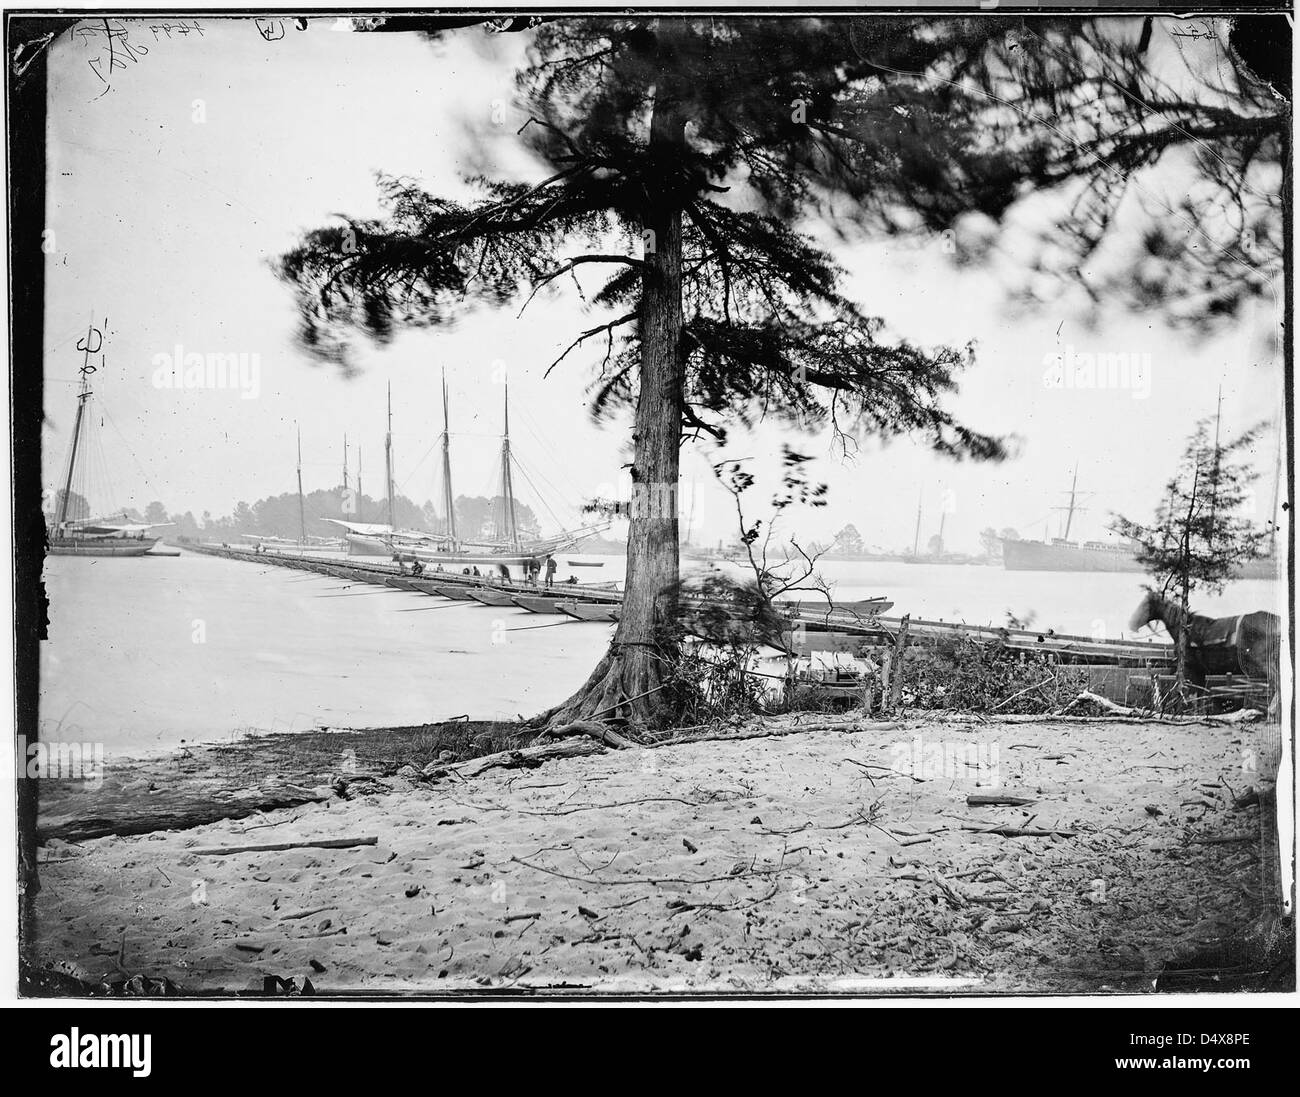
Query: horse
x,y
1249,644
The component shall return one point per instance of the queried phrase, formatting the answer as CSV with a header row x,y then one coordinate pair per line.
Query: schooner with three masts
x,y
508,548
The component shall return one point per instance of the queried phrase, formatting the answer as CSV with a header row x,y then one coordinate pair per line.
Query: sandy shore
x,y
845,859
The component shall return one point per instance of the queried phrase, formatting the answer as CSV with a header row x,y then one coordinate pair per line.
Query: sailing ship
x,y
508,547
69,536
304,540
937,555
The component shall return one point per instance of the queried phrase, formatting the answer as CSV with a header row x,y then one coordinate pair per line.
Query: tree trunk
x,y
1181,664
1181,642
632,680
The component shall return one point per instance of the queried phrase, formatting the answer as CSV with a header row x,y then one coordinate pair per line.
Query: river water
x,y
147,654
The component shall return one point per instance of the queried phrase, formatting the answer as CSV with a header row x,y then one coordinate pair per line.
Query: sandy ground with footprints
x,y
847,858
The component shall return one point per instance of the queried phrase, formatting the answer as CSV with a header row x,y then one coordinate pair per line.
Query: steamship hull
x,y
1044,556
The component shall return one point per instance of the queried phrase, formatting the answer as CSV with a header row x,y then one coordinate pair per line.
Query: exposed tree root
x,y
628,685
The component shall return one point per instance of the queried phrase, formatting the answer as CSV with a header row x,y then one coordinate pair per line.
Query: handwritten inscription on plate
x,y
115,50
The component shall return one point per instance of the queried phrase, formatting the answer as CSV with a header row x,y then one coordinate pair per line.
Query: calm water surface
x,y
146,654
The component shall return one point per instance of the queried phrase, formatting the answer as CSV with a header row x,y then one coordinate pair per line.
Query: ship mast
x,y
1071,510
345,464
83,398
388,459
507,483
360,516
916,537
302,513
1069,514
448,500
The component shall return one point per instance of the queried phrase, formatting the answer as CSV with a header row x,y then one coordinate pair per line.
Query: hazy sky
x,y
172,185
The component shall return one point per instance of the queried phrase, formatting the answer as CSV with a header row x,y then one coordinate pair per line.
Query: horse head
x,y
1144,614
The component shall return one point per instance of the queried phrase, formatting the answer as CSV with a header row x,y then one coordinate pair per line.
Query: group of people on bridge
x,y
532,570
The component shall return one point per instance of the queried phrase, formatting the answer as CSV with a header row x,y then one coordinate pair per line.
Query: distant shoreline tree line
x,y
278,516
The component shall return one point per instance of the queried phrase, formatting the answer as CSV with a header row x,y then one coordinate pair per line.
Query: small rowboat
x,y
585,563
864,607
490,597
424,586
534,604
353,575
589,611
461,594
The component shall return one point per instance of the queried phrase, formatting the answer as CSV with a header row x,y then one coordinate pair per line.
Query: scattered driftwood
x,y
275,847
991,799
955,897
524,758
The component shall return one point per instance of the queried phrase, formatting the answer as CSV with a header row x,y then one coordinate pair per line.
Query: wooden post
x,y
886,667
896,685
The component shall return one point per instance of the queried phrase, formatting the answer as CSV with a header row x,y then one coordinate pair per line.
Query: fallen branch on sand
x,y
526,757
992,799
764,731
297,914
1022,832
1238,717
276,847
594,728
1115,714
604,807
1100,702
885,769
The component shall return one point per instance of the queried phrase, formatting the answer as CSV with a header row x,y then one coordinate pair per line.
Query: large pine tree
x,y
682,157
681,153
